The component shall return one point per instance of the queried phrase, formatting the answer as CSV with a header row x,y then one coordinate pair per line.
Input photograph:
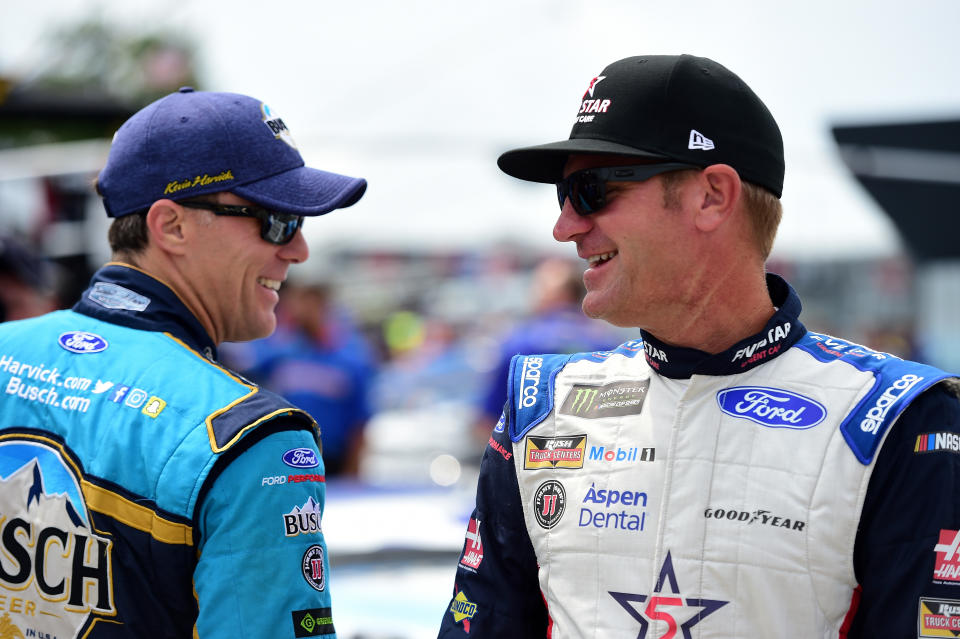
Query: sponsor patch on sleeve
x,y
933,442
312,622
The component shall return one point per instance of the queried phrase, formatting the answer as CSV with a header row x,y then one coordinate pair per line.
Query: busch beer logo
x,y
610,400
529,382
473,548
771,407
55,570
303,520
891,395
555,452
947,565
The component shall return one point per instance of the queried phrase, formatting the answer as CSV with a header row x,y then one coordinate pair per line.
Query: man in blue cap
x,y
146,489
729,473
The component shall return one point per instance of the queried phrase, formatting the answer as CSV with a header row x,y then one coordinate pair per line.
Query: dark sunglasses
x,y
276,228
587,189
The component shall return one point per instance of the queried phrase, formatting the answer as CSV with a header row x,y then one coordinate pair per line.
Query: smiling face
x,y
235,275
638,250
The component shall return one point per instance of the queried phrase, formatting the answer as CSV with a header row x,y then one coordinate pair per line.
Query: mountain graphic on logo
x,y
309,506
37,496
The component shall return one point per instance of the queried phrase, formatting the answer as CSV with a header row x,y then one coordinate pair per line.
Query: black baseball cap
x,y
679,108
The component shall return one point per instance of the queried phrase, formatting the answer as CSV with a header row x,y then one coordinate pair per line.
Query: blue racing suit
x,y
145,490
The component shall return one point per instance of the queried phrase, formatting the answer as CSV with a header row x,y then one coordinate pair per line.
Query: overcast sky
x,y
420,97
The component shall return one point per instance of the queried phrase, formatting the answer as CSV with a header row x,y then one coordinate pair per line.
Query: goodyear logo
x,y
555,452
462,608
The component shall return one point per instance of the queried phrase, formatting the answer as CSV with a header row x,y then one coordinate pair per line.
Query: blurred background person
x,y
555,324
317,360
26,282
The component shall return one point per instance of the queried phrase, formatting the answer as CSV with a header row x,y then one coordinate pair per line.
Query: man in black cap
x,y
148,491
729,473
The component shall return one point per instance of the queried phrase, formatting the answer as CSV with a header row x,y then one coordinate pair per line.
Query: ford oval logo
x,y
301,458
82,342
771,407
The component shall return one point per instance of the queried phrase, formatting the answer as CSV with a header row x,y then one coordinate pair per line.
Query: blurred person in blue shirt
x,y
555,325
318,361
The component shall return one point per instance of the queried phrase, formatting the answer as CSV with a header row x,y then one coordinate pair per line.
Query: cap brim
x,y
545,162
304,191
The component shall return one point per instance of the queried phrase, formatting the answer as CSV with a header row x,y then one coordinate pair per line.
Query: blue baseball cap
x,y
194,142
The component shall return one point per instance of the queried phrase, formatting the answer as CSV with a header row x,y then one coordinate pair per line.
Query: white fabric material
x,y
782,562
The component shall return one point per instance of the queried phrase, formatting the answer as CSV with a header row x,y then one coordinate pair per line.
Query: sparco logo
x,y
760,517
529,381
894,392
771,407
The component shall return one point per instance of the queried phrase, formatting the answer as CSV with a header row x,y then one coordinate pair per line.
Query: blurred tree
x,y
133,66
86,78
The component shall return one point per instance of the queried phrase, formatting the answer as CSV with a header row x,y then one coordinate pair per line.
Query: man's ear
x,y
166,222
721,193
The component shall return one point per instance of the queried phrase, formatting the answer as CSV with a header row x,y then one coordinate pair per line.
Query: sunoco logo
x,y
771,407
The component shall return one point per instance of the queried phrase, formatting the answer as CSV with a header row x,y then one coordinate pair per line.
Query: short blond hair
x,y
763,207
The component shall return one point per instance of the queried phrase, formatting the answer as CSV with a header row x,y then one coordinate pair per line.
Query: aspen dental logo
x,y
610,400
771,407
55,571
554,452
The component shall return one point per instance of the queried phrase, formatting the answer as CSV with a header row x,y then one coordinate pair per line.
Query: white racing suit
x,y
777,489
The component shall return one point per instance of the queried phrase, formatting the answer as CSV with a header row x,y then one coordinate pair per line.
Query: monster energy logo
x,y
610,400
583,400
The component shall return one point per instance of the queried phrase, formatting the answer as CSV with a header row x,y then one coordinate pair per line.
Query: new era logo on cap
x,y
699,141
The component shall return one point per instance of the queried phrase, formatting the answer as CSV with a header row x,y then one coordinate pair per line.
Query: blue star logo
x,y
670,607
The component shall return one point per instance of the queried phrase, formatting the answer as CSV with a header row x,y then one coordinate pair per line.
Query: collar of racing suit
x,y
780,333
121,294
